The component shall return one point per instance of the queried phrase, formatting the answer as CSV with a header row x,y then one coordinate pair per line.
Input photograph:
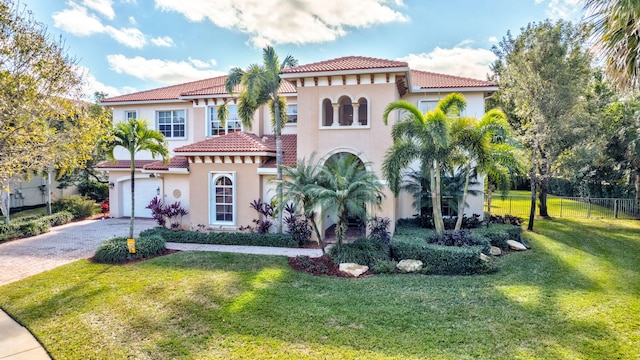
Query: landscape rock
x,y
484,257
353,269
495,251
409,265
516,245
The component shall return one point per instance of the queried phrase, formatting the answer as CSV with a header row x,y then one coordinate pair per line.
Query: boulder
x,y
516,245
409,265
495,251
353,269
484,257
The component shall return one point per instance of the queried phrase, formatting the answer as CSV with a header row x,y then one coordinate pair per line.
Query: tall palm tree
x,y
295,189
135,136
422,137
472,143
346,187
616,26
260,84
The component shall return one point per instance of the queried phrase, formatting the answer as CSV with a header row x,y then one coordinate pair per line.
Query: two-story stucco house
x,y
334,107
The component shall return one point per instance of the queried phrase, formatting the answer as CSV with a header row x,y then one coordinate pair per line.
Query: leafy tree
x,y
615,26
422,137
135,136
39,88
260,85
295,189
345,187
542,75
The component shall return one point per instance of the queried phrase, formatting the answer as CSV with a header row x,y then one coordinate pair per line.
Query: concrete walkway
x,y
22,258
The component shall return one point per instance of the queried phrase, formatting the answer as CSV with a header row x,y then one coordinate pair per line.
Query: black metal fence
x,y
608,208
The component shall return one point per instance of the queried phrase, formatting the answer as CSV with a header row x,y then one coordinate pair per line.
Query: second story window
x,y
172,123
292,113
233,123
130,114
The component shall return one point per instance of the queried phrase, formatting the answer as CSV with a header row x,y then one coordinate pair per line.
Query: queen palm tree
x,y
346,187
616,26
422,137
295,189
260,85
135,136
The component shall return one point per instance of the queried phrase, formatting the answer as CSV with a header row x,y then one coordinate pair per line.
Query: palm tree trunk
x,y
314,225
133,199
438,222
278,156
489,195
462,203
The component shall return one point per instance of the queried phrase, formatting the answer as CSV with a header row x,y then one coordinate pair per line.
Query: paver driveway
x,y
63,244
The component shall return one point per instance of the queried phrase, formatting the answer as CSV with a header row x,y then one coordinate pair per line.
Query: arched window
x,y
222,204
327,113
345,111
363,111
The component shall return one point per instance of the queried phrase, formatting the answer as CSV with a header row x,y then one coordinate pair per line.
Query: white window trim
x,y
212,208
208,121
436,100
186,122
125,116
295,123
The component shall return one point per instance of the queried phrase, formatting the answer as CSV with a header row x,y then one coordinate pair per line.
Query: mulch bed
x,y
319,266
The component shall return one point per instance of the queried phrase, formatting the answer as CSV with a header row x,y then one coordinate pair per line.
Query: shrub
x,y
507,219
33,225
496,234
59,218
298,227
385,267
460,238
77,205
445,260
222,238
161,212
94,190
379,229
363,251
115,250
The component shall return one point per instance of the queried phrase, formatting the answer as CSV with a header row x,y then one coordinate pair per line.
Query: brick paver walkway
x,y
63,244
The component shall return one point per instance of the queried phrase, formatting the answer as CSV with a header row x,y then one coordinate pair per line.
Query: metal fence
x,y
607,208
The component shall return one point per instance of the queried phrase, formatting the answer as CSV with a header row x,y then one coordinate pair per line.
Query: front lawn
x,y
575,295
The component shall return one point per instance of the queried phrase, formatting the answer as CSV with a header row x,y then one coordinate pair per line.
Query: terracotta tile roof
x,y
429,80
177,162
285,88
124,164
168,93
231,143
346,63
289,151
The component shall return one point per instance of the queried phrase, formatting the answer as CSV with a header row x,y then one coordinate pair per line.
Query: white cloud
x,y
77,21
132,20
288,21
564,9
105,7
199,63
90,85
164,41
493,39
130,37
458,61
162,71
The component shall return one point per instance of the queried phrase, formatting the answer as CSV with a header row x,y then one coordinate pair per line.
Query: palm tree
x,y
615,26
507,162
422,137
346,187
472,142
295,189
260,84
135,136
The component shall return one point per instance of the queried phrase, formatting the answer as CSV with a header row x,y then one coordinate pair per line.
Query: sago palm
x,y
260,84
422,137
346,188
135,136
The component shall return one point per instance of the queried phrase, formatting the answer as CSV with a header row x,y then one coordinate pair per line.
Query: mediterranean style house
x,y
334,107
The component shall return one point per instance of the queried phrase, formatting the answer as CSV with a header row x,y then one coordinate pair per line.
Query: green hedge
x,y
79,206
31,226
498,234
444,260
363,251
223,238
115,250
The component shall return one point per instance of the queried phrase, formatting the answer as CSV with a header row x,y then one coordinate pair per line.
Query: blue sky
x,y
132,45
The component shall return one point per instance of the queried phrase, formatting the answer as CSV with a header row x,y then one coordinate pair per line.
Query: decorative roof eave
x,y
224,96
416,89
135,102
296,75
228,153
267,171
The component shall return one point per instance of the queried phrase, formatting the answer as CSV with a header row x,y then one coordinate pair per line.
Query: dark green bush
x,y
450,260
362,251
94,190
385,267
223,238
77,205
460,238
59,218
115,250
32,225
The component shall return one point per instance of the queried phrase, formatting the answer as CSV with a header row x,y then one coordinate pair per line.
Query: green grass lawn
x,y
39,211
575,295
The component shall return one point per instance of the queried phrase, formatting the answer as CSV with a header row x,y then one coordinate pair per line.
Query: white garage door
x,y
146,189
